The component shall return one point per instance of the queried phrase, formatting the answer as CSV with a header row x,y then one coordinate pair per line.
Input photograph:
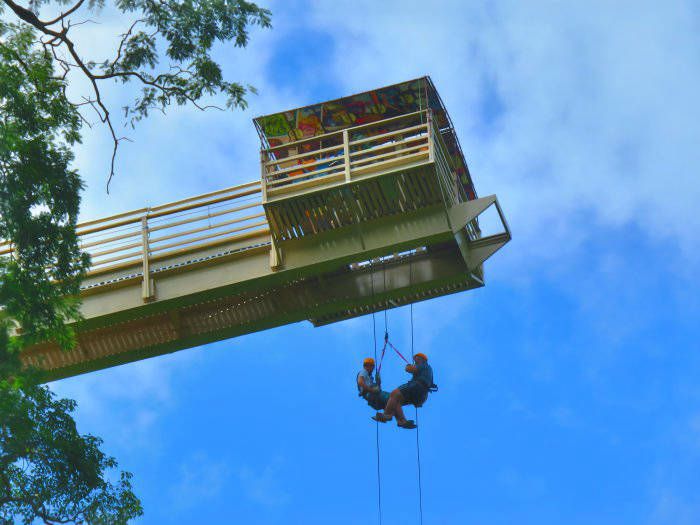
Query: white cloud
x,y
263,486
199,480
670,509
128,401
591,117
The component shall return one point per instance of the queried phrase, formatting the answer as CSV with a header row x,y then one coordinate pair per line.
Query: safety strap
x,y
388,343
399,353
381,358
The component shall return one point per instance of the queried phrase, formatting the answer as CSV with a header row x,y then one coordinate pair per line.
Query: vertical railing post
x,y
346,154
431,136
147,291
263,177
275,254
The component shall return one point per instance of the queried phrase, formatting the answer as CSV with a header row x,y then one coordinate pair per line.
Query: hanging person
x,y
369,389
414,392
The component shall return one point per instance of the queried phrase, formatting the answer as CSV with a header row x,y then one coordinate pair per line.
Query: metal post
x,y
147,288
431,138
263,178
346,154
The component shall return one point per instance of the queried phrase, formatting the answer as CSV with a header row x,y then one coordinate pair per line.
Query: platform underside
x,y
328,298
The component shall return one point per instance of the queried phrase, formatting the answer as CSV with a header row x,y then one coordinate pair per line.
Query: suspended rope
x,y
410,280
420,484
379,368
374,334
386,303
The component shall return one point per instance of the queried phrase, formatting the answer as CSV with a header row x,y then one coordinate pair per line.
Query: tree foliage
x,y
39,192
49,472
184,31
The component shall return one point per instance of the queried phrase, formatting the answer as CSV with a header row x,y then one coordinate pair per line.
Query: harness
x,y
359,390
431,388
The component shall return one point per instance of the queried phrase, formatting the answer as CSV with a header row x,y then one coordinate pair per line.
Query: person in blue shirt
x,y
415,392
369,389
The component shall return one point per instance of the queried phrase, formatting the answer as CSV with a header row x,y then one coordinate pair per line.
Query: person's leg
x,y
407,398
395,400
398,412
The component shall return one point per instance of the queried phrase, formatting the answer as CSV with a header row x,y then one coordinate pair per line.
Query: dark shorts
x,y
377,400
414,393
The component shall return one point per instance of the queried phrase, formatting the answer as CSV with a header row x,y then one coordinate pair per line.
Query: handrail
x,y
322,160
141,211
446,158
401,152
349,128
161,210
400,131
413,138
112,217
186,242
359,156
307,165
202,217
125,240
204,228
301,155
210,194
110,239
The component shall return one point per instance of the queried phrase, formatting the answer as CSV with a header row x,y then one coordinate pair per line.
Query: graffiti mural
x,y
363,108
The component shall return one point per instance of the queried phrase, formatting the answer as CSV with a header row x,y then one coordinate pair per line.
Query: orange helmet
x,y
422,355
368,361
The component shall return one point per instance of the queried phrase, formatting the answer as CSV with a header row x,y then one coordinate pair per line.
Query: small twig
x,y
123,41
63,15
86,21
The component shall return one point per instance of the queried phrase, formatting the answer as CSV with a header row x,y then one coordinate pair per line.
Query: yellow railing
x,y
342,156
142,238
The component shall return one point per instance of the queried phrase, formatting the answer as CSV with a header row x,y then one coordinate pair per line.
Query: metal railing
x,y
453,191
143,238
342,156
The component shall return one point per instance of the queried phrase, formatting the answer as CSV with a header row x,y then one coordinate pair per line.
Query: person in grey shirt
x,y
415,392
369,389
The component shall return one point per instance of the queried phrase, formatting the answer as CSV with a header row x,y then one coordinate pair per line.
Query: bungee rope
x,y
379,476
388,343
420,487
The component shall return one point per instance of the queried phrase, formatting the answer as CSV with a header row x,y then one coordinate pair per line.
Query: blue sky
x,y
568,385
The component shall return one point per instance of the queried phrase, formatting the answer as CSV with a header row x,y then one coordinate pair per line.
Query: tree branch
x,y
136,51
123,41
25,14
64,15
32,19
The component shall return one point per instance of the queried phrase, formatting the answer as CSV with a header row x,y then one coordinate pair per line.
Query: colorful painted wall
x,y
371,106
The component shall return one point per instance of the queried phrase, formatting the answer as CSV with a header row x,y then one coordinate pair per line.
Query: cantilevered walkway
x,y
363,203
